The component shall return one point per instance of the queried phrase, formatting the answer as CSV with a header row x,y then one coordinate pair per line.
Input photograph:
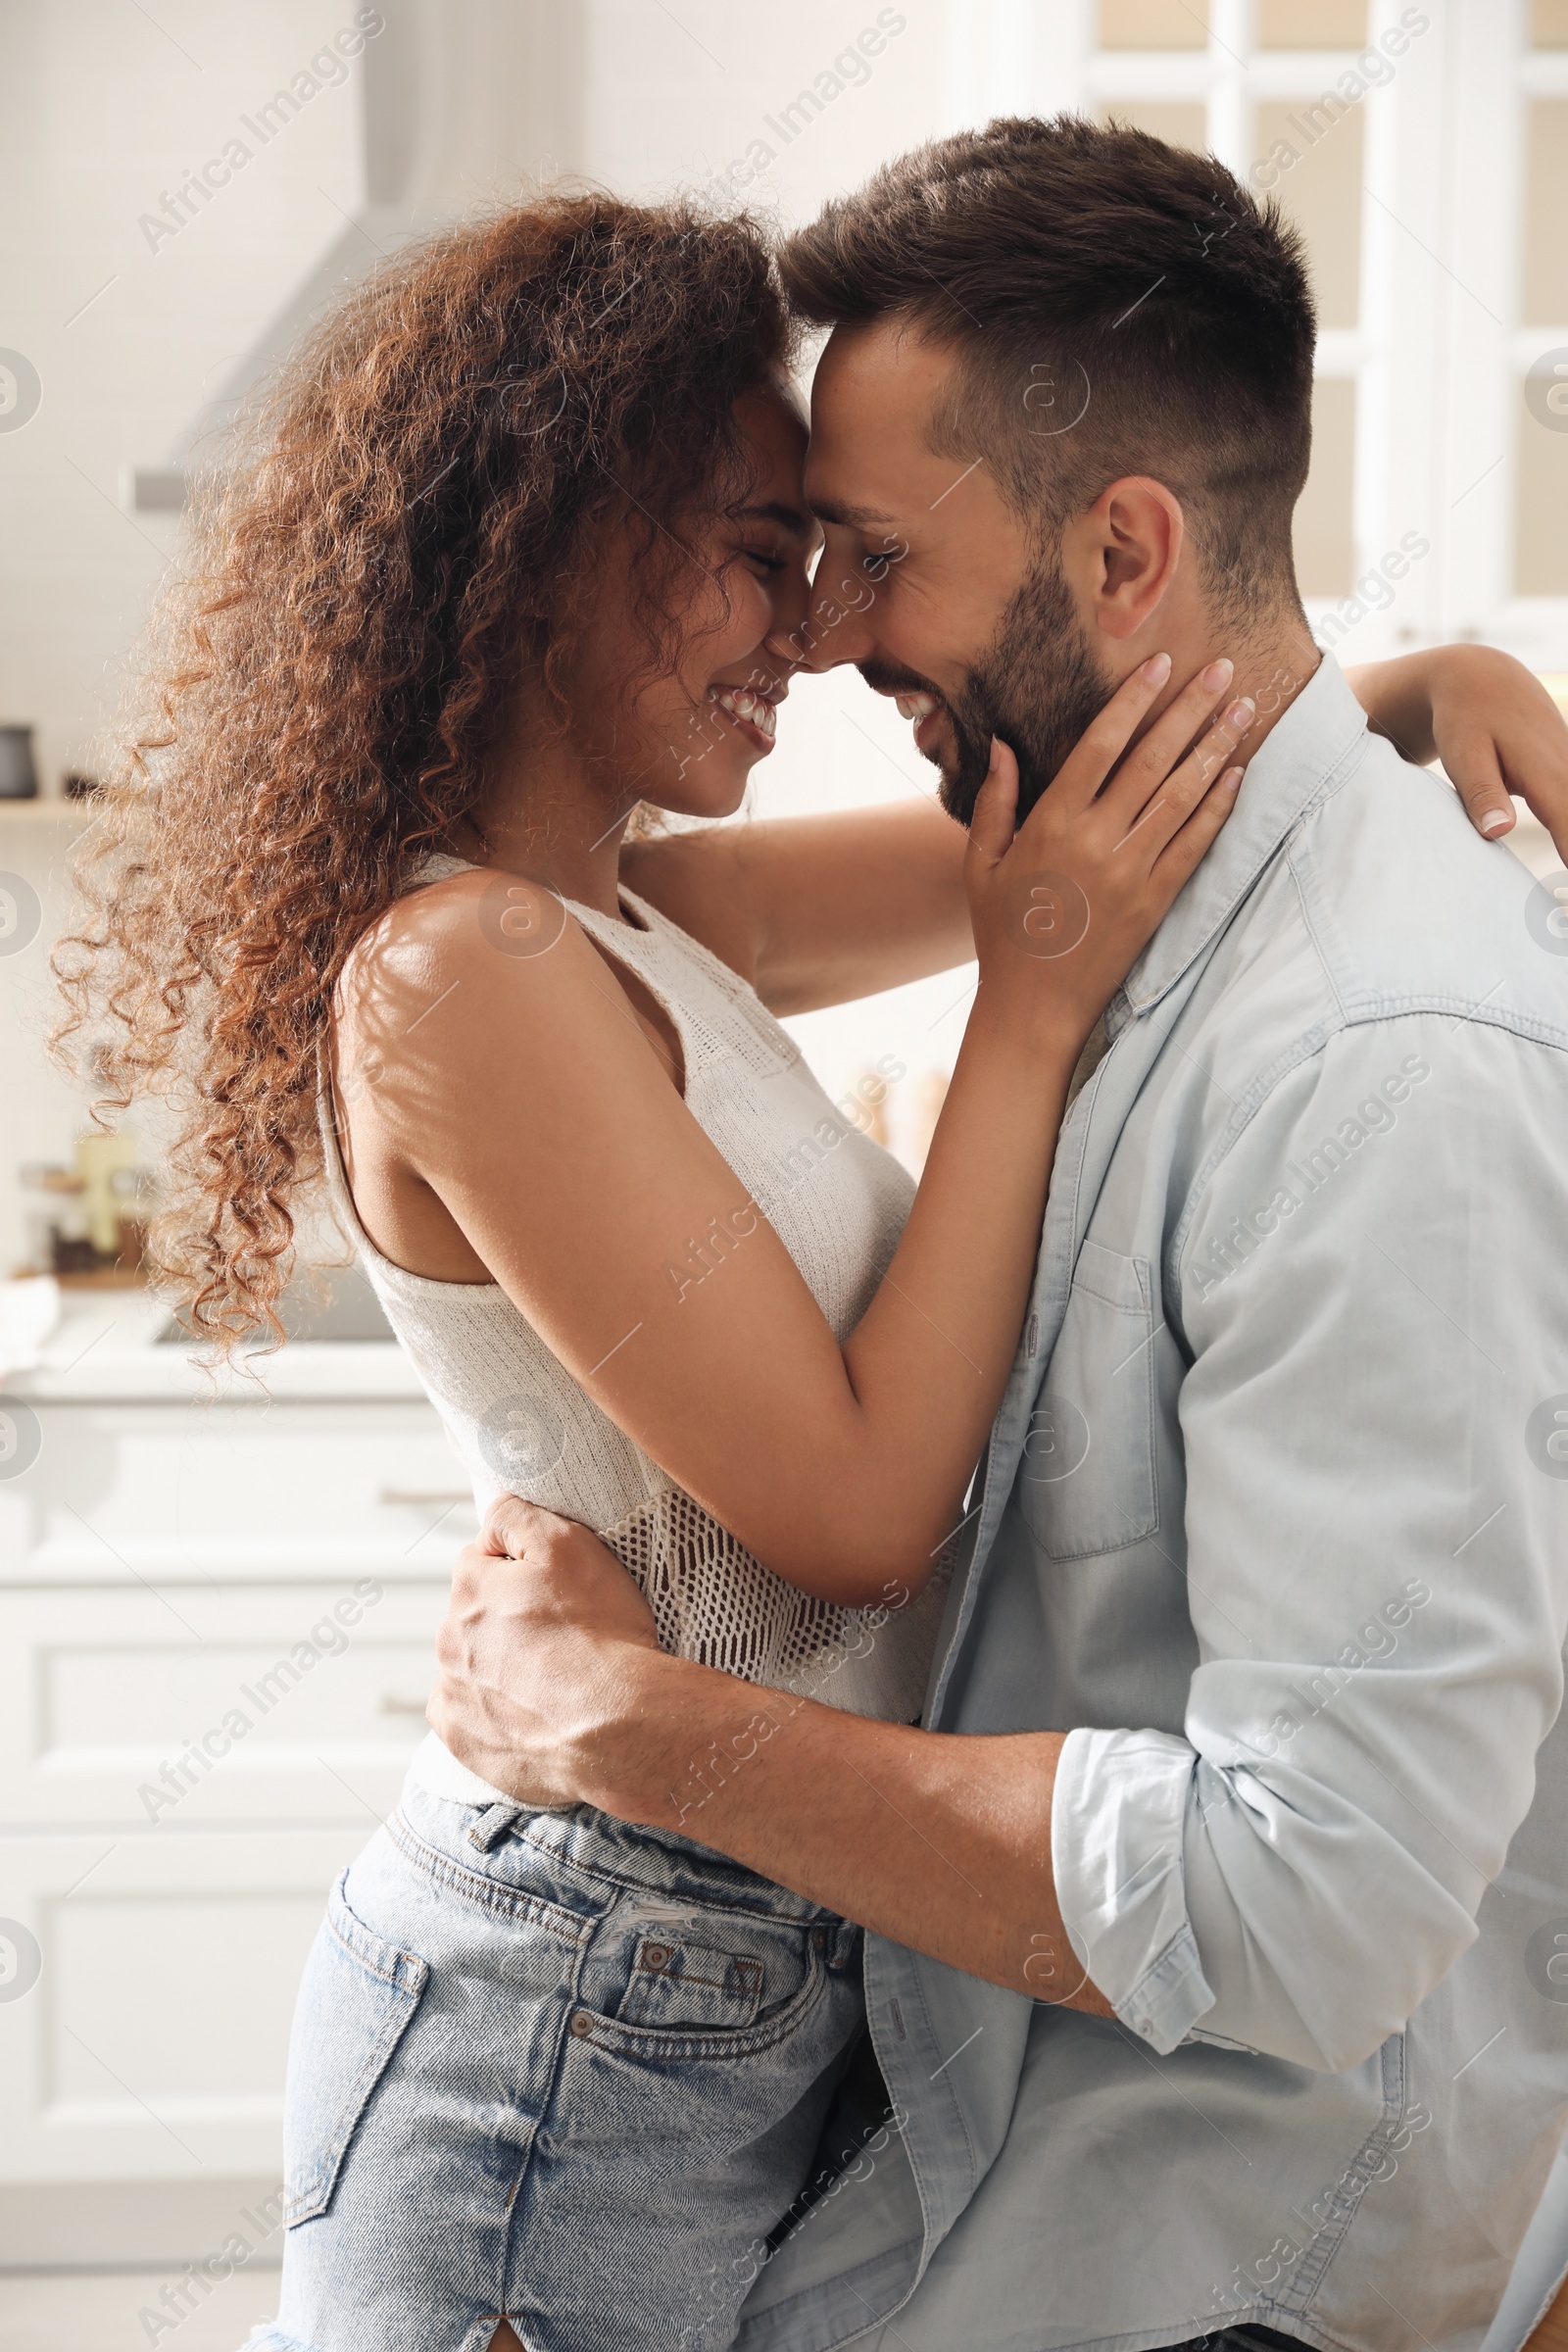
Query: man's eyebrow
x,y
790,518
852,518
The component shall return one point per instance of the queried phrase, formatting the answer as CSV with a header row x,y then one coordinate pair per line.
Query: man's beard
x,y
1036,686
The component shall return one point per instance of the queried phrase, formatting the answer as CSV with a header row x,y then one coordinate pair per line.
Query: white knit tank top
x,y
837,1201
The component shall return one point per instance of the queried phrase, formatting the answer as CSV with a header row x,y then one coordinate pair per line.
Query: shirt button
x,y
582,2023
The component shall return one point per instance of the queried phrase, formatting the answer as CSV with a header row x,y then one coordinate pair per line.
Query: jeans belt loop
x,y
490,1826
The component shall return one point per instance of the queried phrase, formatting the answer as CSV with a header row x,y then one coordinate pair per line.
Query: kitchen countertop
x,y
105,1346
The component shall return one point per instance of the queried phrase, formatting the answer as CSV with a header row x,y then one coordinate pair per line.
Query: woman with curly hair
x,y
523,547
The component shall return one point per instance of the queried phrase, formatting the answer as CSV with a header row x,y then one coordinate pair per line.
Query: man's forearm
x,y
935,1842
552,1686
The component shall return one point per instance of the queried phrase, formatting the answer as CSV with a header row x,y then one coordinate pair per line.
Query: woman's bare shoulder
x,y
478,964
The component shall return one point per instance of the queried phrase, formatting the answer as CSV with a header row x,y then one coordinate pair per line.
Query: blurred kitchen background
x,y
184,187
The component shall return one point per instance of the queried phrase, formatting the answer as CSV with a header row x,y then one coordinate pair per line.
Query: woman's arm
x,y
521,1094
1488,718
816,911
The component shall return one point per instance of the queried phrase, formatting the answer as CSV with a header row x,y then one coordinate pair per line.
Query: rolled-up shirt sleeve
x,y
1116,1838
1377,1554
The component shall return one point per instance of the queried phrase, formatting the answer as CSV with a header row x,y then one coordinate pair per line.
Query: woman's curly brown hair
x,y
417,512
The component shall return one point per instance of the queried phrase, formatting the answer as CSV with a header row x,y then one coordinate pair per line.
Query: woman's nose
x,y
784,646
792,597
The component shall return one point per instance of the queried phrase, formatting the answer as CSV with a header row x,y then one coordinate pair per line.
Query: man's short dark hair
x,y
1119,306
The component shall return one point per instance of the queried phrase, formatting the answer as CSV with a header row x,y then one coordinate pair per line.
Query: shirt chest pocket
x,y
1085,1482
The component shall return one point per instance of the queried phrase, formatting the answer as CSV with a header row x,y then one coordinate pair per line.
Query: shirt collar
x,y
1297,765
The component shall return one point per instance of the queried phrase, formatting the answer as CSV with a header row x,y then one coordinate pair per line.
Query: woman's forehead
x,y
775,427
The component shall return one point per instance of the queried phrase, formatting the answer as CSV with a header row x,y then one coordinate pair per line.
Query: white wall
x,y
104,111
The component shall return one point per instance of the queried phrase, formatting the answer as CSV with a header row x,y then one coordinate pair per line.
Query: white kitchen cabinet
x,y
217,1609
152,2044
209,1703
185,1488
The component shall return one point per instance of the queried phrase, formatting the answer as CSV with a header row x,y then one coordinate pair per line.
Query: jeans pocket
x,y
1085,1483
357,1999
678,1983
694,2022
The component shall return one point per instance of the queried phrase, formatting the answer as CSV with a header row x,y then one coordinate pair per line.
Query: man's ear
x,y
1121,553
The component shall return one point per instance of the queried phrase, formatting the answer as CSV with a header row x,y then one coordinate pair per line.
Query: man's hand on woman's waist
x,y
553,1688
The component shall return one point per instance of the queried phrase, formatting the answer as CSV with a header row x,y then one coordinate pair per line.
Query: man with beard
x,y
1218,1902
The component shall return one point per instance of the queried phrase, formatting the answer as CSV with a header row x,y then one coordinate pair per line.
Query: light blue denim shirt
x,y
1275,1523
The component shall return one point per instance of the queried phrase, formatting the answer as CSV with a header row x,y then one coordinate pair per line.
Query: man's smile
x,y
928,712
913,698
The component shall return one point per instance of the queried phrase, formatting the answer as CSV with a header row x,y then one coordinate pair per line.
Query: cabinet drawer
x,y
160,1711
151,2042
186,1491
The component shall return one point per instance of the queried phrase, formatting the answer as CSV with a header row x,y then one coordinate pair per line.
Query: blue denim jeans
x,y
549,2066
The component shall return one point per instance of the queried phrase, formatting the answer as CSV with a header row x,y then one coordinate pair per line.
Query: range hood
x,y
462,101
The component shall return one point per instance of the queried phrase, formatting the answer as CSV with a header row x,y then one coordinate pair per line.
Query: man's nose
x,y
835,628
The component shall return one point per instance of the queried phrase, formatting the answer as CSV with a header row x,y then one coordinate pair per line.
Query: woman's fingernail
x,y
1498,823
1156,670
995,755
1217,676
1230,781
1242,713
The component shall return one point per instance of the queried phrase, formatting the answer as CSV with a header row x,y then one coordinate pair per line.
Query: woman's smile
x,y
752,713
